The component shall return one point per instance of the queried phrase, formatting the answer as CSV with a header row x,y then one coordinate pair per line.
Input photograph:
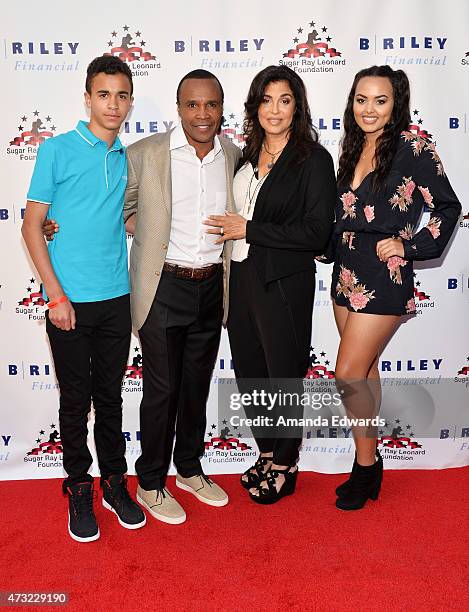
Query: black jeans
x,y
269,327
180,340
89,364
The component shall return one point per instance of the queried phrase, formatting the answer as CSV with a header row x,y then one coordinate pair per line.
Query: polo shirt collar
x,y
179,140
92,139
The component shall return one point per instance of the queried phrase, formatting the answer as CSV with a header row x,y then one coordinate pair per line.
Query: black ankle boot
x,y
345,486
364,484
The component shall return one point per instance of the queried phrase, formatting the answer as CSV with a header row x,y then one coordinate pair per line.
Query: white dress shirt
x,y
246,188
198,190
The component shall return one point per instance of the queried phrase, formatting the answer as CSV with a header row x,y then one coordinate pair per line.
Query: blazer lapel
x,y
161,162
271,180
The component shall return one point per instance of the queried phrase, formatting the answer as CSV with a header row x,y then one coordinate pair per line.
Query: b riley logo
x,y
130,47
47,450
32,305
313,51
33,130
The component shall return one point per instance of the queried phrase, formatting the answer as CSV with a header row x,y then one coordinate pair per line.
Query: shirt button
x,y
165,246
157,273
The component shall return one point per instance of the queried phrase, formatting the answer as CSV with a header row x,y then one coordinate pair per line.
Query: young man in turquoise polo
x,y
79,179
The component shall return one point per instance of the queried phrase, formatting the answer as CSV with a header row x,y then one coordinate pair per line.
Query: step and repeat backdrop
x,y
45,51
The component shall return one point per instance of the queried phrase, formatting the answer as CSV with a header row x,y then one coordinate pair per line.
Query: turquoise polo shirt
x,y
82,181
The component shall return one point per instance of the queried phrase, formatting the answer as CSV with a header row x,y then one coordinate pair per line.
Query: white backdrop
x,y
46,49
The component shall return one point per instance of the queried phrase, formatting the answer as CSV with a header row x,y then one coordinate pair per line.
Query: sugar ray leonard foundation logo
x,y
318,368
33,130
313,50
397,441
465,60
133,374
232,128
47,450
422,299
32,305
129,46
464,370
416,126
226,441
464,221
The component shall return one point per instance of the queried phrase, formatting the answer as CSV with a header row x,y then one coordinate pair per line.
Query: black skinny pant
x,y
89,364
269,327
180,340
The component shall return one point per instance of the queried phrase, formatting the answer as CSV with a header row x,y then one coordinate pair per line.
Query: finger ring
x,y
221,231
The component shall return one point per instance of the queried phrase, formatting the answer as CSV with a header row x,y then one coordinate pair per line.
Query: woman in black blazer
x,y
285,192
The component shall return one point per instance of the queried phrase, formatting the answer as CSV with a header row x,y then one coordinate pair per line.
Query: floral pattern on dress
x,y
419,144
357,293
407,232
433,226
427,196
348,238
394,265
348,202
403,196
369,213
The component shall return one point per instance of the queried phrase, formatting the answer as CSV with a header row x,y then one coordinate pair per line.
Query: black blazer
x,y
293,215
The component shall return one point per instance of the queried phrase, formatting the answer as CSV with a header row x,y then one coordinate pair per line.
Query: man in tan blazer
x,y
179,279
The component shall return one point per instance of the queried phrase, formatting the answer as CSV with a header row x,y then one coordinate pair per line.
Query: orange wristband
x,y
58,301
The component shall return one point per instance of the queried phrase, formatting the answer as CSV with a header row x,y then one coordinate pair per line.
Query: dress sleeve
x,y
313,231
431,181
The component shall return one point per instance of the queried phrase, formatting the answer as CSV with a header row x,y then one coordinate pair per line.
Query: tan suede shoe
x,y
162,505
204,489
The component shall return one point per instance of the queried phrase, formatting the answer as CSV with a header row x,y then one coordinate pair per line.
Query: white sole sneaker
x,y
209,502
78,539
126,525
178,520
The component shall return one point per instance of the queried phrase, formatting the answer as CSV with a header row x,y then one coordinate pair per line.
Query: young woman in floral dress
x,y
386,177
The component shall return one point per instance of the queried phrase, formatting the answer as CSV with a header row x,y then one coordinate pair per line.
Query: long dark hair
x,y
302,133
386,145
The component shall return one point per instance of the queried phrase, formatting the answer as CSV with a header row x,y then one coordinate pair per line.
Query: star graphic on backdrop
x,y
232,116
324,29
29,289
52,426
48,119
240,435
36,113
328,39
420,121
397,421
20,303
408,426
52,128
214,426
142,43
32,280
114,34
312,24
467,358
467,54
416,112
236,125
412,434
327,362
20,128
386,424
295,40
300,30
126,28
322,353
109,43
42,432
38,440
136,349
224,421
138,34
417,284
415,274
23,118
209,434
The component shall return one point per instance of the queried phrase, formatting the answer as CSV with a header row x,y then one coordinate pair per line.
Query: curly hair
x,y
386,145
109,65
302,133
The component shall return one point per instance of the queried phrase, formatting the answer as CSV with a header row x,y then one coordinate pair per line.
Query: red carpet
x,y
407,551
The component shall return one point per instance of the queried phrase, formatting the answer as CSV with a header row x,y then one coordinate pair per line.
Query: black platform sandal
x,y
256,473
269,494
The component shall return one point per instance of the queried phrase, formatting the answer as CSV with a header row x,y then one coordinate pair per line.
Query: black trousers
x,y
179,340
269,327
89,364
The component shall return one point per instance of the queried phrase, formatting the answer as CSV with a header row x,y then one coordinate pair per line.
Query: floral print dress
x,y
360,281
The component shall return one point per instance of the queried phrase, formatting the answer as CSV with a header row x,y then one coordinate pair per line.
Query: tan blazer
x,y
149,194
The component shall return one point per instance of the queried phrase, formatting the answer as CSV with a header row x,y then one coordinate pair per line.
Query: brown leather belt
x,y
191,273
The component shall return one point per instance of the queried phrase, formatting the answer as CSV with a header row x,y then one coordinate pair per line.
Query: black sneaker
x,y
117,499
82,525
